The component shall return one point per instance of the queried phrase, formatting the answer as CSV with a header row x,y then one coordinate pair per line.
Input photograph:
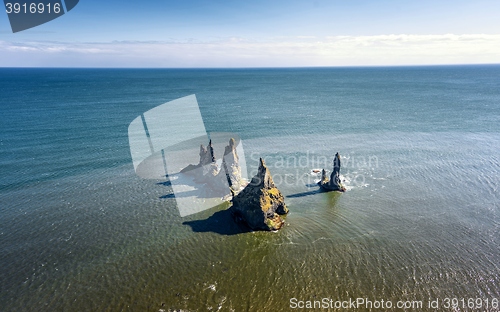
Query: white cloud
x,y
50,47
401,49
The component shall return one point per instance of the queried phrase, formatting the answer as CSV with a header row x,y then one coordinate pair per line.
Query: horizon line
x,y
257,67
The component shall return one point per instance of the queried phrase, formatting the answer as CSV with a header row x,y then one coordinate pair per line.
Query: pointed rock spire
x,y
231,167
334,183
260,204
263,177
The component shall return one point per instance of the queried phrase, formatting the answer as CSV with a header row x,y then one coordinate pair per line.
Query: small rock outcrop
x,y
260,203
333,183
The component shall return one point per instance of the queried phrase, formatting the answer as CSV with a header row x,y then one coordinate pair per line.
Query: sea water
x,y
79,230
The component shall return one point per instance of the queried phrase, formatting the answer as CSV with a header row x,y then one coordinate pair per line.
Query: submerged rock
x,y
333,183
260,203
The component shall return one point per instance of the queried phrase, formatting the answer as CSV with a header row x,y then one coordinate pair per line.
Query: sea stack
x,y
228,179
206,154
260,203
220,182
334,183
208,162
207,157
231,167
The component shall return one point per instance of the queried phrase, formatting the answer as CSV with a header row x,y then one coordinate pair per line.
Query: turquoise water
x,y
420,220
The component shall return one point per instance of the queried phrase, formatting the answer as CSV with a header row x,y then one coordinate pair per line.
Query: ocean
x,y
418,226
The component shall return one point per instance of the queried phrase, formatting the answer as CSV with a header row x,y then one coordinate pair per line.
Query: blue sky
x,y
216,33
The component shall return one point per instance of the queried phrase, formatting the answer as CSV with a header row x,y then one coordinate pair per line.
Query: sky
x,y
257,33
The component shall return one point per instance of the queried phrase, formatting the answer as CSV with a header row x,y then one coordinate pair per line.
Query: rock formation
x,y
207,154
231,167
260,203
206,157
334,183
222,180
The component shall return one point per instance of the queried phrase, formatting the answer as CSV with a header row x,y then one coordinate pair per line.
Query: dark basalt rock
x,y
334,183
260,203
324,178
